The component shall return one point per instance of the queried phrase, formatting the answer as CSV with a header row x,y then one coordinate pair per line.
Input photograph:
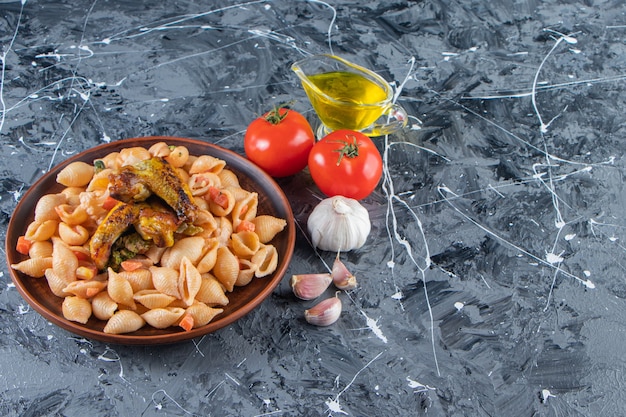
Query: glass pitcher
x,y
347,96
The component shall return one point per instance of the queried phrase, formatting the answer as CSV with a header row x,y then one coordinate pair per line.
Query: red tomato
x,y
279,142
346,163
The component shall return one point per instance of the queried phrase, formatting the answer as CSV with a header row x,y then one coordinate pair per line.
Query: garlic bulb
x,y
339,224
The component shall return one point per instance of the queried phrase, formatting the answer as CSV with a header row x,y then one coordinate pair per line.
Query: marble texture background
x,y
493,282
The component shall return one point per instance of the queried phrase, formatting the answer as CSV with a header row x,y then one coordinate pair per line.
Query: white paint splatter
x,y
373,325
418,386
570,236
545,394
553,258
334,406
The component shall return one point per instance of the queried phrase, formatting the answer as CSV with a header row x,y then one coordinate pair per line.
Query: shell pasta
x,y
161,262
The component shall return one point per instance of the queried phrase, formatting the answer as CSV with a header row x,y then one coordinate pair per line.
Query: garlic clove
x,y
310,286
324,313
342,277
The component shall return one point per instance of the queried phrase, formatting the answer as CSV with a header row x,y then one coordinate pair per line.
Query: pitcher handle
x,y
392,120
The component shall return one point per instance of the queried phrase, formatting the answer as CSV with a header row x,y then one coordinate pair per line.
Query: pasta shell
x,y
225,208
200,183
211,292
238,192
178,156
184,175
64,261
226,268
207,163
76,309
120,290
124,321
245,244
153,298
165,280
103,306
41,230
139,279
155,253
207,262
247,269
160,149
228,178
206,221
267,227
40,249
189,281
133,155
71,215
202,205
81,251
45,207
223,231
85,289
76,174
57,282
162,318
100,181
73,235
111,160
190,161
266,260
72,195
245,209
202,314
34,267
190,247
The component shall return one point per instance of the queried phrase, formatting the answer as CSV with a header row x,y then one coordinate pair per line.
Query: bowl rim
x,y
260,178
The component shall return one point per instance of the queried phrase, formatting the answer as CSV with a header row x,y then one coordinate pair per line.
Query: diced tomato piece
x,y
245,226
218,197
109,203
23,245
213,192
131,265
186,322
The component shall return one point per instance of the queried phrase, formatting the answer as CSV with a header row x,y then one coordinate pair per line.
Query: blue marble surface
x,y
493,282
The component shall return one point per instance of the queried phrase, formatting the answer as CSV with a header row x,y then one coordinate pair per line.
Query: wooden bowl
x,y
244,299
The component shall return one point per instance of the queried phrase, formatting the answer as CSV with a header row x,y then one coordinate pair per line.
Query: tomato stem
x,y
274,116
350,150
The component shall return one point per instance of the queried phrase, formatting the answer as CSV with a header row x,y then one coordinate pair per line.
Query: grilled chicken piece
x,y
109,230
131,183
152,221
158,224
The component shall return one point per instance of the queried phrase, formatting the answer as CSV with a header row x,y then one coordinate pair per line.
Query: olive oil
x,y
350,100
